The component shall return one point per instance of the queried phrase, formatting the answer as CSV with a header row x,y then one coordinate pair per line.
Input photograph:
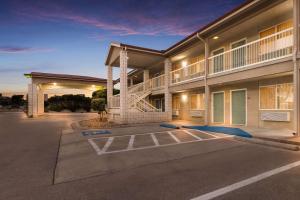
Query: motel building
x,y
240,70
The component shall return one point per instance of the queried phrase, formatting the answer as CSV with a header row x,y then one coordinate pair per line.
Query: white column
x,y
207,88
40,101
296,23
123,86
168,95
145,78
32,100
109,86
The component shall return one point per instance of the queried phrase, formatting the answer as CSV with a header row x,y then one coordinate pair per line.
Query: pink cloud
x,y
10,49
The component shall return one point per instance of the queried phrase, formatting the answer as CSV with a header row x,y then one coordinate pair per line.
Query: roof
x,y
193,35
65,77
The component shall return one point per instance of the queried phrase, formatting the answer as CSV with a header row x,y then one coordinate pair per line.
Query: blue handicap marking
x,y
96,132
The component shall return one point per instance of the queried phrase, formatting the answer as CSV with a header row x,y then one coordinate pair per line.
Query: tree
x,y
103,94
17,101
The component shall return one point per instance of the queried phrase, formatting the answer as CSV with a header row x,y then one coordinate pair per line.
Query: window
x,y
285,96
197,102
218,60
276,97
238,58
176,103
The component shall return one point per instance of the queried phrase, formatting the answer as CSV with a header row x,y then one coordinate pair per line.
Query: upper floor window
x,y
218,60
276,97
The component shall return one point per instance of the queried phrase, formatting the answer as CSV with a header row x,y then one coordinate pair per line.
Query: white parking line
x,y
95,146
154,139
173,136
193,135
130,144
215,136
246,182
107,144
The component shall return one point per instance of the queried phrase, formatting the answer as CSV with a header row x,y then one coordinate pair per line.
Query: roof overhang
x,y
65,77
138,57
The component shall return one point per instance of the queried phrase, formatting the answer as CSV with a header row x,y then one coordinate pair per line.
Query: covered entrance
x,y
41,82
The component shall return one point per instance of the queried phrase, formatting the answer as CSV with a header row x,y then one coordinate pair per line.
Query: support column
x,y
40,101
32,100
123,86
145,79
168,95
109,86
207,87
296,76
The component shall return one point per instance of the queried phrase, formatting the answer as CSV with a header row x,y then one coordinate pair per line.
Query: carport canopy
x,y
47,81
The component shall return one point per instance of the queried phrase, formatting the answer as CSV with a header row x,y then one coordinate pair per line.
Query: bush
x,y
69,102
17,101
103,94
5,101
98,104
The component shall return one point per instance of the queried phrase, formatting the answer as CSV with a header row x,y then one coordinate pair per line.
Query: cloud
x,y
15,50
130,17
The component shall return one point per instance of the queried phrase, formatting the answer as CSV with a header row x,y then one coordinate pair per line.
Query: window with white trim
x,y
276,97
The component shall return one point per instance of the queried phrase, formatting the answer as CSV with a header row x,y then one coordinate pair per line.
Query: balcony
x,y
270,48
273,47
193,71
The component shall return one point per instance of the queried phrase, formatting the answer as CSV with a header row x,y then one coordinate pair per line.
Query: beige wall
x,y
253,112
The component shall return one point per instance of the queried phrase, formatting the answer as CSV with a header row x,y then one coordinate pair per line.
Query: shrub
x,y
98,104
103,94
70,102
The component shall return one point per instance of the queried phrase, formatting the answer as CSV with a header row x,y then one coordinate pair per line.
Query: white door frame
x,y
212,106
246,104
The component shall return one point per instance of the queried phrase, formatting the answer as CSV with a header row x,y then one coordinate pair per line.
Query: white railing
x,y
158,82
134,101
276,46
194,70
114,102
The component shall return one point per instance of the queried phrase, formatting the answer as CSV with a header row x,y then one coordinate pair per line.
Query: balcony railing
x,y
273,47
192,71
158,82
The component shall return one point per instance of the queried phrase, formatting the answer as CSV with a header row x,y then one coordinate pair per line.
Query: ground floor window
x,y
276,97
197,101
176,103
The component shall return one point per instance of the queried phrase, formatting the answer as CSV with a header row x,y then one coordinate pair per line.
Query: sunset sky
x,y
73,36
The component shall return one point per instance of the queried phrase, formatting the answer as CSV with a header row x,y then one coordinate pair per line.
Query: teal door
x,y
238,107
218,107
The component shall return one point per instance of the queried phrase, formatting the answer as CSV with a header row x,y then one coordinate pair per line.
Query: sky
x,y
73,36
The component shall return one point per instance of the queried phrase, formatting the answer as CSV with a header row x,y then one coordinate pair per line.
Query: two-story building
x,y
241,69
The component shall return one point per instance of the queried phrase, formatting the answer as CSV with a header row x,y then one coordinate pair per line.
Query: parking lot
x,y
118,144
38,162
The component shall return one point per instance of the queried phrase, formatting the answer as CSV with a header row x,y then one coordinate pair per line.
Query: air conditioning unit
x,y
276,116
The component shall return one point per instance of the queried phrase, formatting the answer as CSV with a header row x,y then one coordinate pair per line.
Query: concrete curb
x,y
290,147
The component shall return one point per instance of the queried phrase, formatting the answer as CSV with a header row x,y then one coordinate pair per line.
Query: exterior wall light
x,y
216,37
184,98
184,63
54,84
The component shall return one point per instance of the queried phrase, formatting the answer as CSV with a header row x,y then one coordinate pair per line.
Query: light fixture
x,y
93,86
184,98
184,63
54,84
216,37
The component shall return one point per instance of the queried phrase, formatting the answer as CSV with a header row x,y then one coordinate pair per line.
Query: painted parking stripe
x,y
215,136
130,144
107,144
193,135
154,139
254,179
95,146
173,136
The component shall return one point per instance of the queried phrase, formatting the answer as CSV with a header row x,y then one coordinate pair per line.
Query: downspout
x,y
205,79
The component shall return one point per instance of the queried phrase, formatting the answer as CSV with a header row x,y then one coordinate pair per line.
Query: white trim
x,y
212,107
246,105
276,99
213,56
246,50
